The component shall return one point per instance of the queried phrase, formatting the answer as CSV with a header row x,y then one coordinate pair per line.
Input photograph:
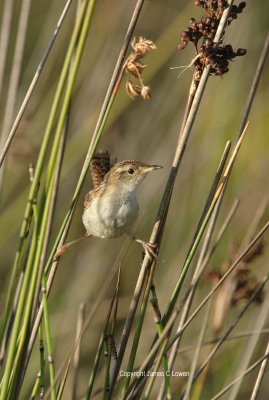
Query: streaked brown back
x,y
99,167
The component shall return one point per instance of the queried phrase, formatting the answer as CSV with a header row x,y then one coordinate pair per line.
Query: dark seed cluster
x,y
219,59
215,8
202,33
246,283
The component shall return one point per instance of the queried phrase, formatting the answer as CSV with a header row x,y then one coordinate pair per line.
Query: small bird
x,y
111,208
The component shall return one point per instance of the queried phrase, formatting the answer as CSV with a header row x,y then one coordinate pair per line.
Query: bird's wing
x,y
88,199
100,166
96,192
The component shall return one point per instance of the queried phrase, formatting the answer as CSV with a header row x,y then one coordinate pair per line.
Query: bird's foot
x,y
149,248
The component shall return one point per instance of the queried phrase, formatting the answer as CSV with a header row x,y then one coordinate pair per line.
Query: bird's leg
x,y
64,247
149,248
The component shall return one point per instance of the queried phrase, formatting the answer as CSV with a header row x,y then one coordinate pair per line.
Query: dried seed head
x,y
241,52
145,93
256,251
205,30
134,68
133,90
241,285
143,46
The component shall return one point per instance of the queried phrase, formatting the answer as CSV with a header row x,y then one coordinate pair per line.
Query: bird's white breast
x,y
111,214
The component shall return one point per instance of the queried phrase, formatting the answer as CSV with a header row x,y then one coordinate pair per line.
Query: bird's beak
x,y
151,168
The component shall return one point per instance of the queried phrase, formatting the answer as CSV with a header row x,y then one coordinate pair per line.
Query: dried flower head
x,y
241,285
133,90
204,31
143,46
145,92
134,68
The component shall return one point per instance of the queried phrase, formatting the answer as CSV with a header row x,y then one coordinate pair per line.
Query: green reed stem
x,y
95,367
48,339
41,361
163,358
39,167
107,367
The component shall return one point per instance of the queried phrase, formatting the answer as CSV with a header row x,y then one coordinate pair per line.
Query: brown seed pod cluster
x,y
202,33
242,284
134,68
215,8
245,282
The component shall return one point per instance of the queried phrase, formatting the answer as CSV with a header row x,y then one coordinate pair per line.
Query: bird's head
x,y
129,174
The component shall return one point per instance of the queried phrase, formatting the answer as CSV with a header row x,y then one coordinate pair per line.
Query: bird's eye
x,y
130,171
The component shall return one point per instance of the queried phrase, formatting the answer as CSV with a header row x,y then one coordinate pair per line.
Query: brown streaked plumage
x,y
99,167
111,208
118,172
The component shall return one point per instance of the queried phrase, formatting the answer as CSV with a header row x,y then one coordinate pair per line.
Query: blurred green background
x,y
145,131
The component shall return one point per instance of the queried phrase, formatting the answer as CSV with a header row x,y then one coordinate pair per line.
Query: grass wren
x,y
111,208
